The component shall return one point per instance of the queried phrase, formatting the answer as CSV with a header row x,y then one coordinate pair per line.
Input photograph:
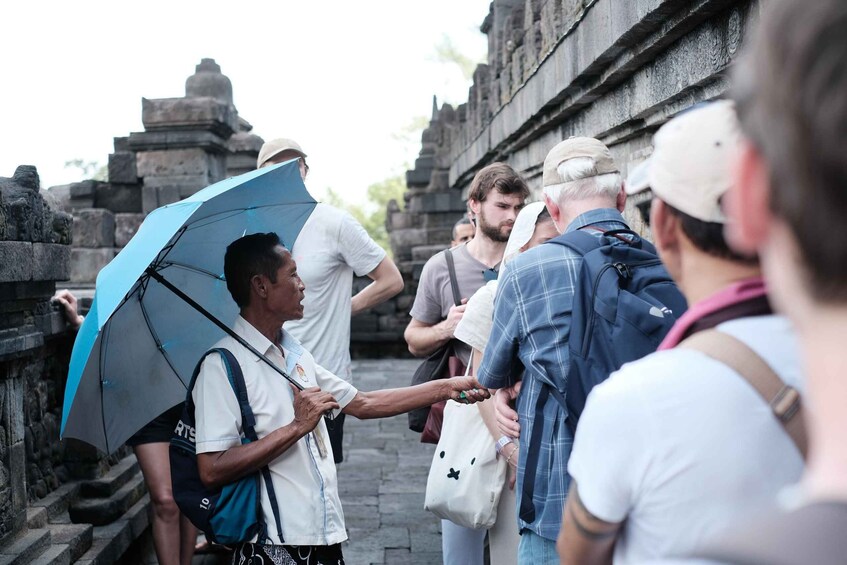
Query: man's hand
x,y
309,406
70,306
453,316
507,418
466,390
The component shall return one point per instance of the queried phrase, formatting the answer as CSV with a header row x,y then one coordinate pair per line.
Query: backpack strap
x,y
248,421
783,399
451,271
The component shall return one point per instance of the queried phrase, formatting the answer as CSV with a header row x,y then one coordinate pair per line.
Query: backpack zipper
x,y
629,267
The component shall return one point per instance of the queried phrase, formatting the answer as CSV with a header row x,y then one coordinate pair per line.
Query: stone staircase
x,y
88,522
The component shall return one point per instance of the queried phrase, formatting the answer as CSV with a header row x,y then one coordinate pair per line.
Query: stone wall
x,y
612,69
34,348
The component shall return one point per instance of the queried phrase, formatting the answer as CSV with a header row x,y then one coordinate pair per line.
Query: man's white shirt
x,y
305,482
680,446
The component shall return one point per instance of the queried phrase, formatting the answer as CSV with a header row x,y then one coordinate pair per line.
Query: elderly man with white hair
x,y
583,190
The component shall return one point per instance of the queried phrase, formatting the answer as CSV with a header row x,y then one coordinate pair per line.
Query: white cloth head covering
x,y
521,233
475,326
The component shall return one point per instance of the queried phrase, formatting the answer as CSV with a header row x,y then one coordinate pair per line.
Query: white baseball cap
x,y
274,147
691,164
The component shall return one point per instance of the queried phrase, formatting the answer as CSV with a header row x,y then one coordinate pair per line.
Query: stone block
x,y
51,262
168,195
15,261
203,113
401,220
149,199
94,227
404,302
126,225
185,185
172,162
118,198
86,263
122,168
441,236
364,323
424,252
158,140
407,238
84,189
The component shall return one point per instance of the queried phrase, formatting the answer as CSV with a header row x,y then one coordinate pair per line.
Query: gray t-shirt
x,y
435,295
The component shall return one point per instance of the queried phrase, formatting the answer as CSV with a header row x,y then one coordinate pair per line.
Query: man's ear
x,y
665,227
620,200
555,212
259,285
748,201
474,206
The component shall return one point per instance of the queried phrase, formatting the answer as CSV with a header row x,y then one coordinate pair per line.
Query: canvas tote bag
x,y
466,476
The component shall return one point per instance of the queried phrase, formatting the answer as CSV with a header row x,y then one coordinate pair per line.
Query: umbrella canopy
x,y
135,352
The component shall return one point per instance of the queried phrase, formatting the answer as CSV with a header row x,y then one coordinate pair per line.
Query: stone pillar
x,y
34,253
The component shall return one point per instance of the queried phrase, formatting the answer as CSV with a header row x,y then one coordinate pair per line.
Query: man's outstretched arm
x,y
390,402
387,282
584,538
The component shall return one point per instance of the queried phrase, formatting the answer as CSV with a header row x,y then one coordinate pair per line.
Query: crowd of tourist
x,y
674,401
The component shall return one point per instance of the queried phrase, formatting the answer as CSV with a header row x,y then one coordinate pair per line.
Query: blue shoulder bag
x,y
231,514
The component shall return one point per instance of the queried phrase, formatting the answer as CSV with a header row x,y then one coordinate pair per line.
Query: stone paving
x,y
382,482
383,478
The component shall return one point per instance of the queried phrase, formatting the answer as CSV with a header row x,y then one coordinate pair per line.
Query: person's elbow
x,y
390,280
208,471
409,335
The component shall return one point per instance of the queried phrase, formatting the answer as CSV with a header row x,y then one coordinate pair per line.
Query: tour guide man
x,y
262,278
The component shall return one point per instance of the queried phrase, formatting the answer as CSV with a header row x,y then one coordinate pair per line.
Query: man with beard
x,y
496,196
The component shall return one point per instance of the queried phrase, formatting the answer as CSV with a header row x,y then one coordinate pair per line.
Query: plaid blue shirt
x,y
532,315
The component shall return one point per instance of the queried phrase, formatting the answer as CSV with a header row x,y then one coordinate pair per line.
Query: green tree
x,y
90,169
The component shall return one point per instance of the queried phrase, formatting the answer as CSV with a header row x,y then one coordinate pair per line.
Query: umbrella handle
x,y
229,331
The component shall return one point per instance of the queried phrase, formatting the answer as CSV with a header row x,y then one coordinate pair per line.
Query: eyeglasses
x,y
489,275
644,209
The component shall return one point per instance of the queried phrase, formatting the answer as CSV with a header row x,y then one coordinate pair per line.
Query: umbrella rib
x,y
158,342
190,268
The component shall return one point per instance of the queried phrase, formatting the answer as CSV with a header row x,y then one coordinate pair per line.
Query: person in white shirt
x,y
674,447
263,280
330,249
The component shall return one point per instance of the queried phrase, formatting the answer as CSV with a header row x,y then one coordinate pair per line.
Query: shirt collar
x,y
747,289
595,217
291,348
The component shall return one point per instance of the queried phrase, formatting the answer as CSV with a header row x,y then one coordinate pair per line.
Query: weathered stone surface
x,y
119,198
51,262
87,262
208,81
173,162
156,140
126,225
122,168
202,113
94,227
15,261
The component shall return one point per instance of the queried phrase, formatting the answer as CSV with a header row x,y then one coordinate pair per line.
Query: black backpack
x,y
231,514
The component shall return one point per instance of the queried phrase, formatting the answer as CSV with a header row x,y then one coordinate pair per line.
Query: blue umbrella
x,y
136,349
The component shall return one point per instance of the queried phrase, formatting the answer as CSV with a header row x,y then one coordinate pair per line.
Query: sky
x,y
342,78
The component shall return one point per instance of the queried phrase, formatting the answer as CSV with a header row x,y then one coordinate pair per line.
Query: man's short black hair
x,y
464,221
247,257
708,237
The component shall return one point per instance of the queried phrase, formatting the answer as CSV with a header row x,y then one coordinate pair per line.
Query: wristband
x,y
501,443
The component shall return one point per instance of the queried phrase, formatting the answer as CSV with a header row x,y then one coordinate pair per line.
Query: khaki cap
x,y
691,164
274,147
572,148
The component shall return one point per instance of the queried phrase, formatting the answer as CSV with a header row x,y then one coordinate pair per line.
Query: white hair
x,y
580,181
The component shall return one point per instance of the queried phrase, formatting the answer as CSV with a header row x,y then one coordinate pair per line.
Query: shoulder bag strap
x,y
451,271
248,421
783,399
